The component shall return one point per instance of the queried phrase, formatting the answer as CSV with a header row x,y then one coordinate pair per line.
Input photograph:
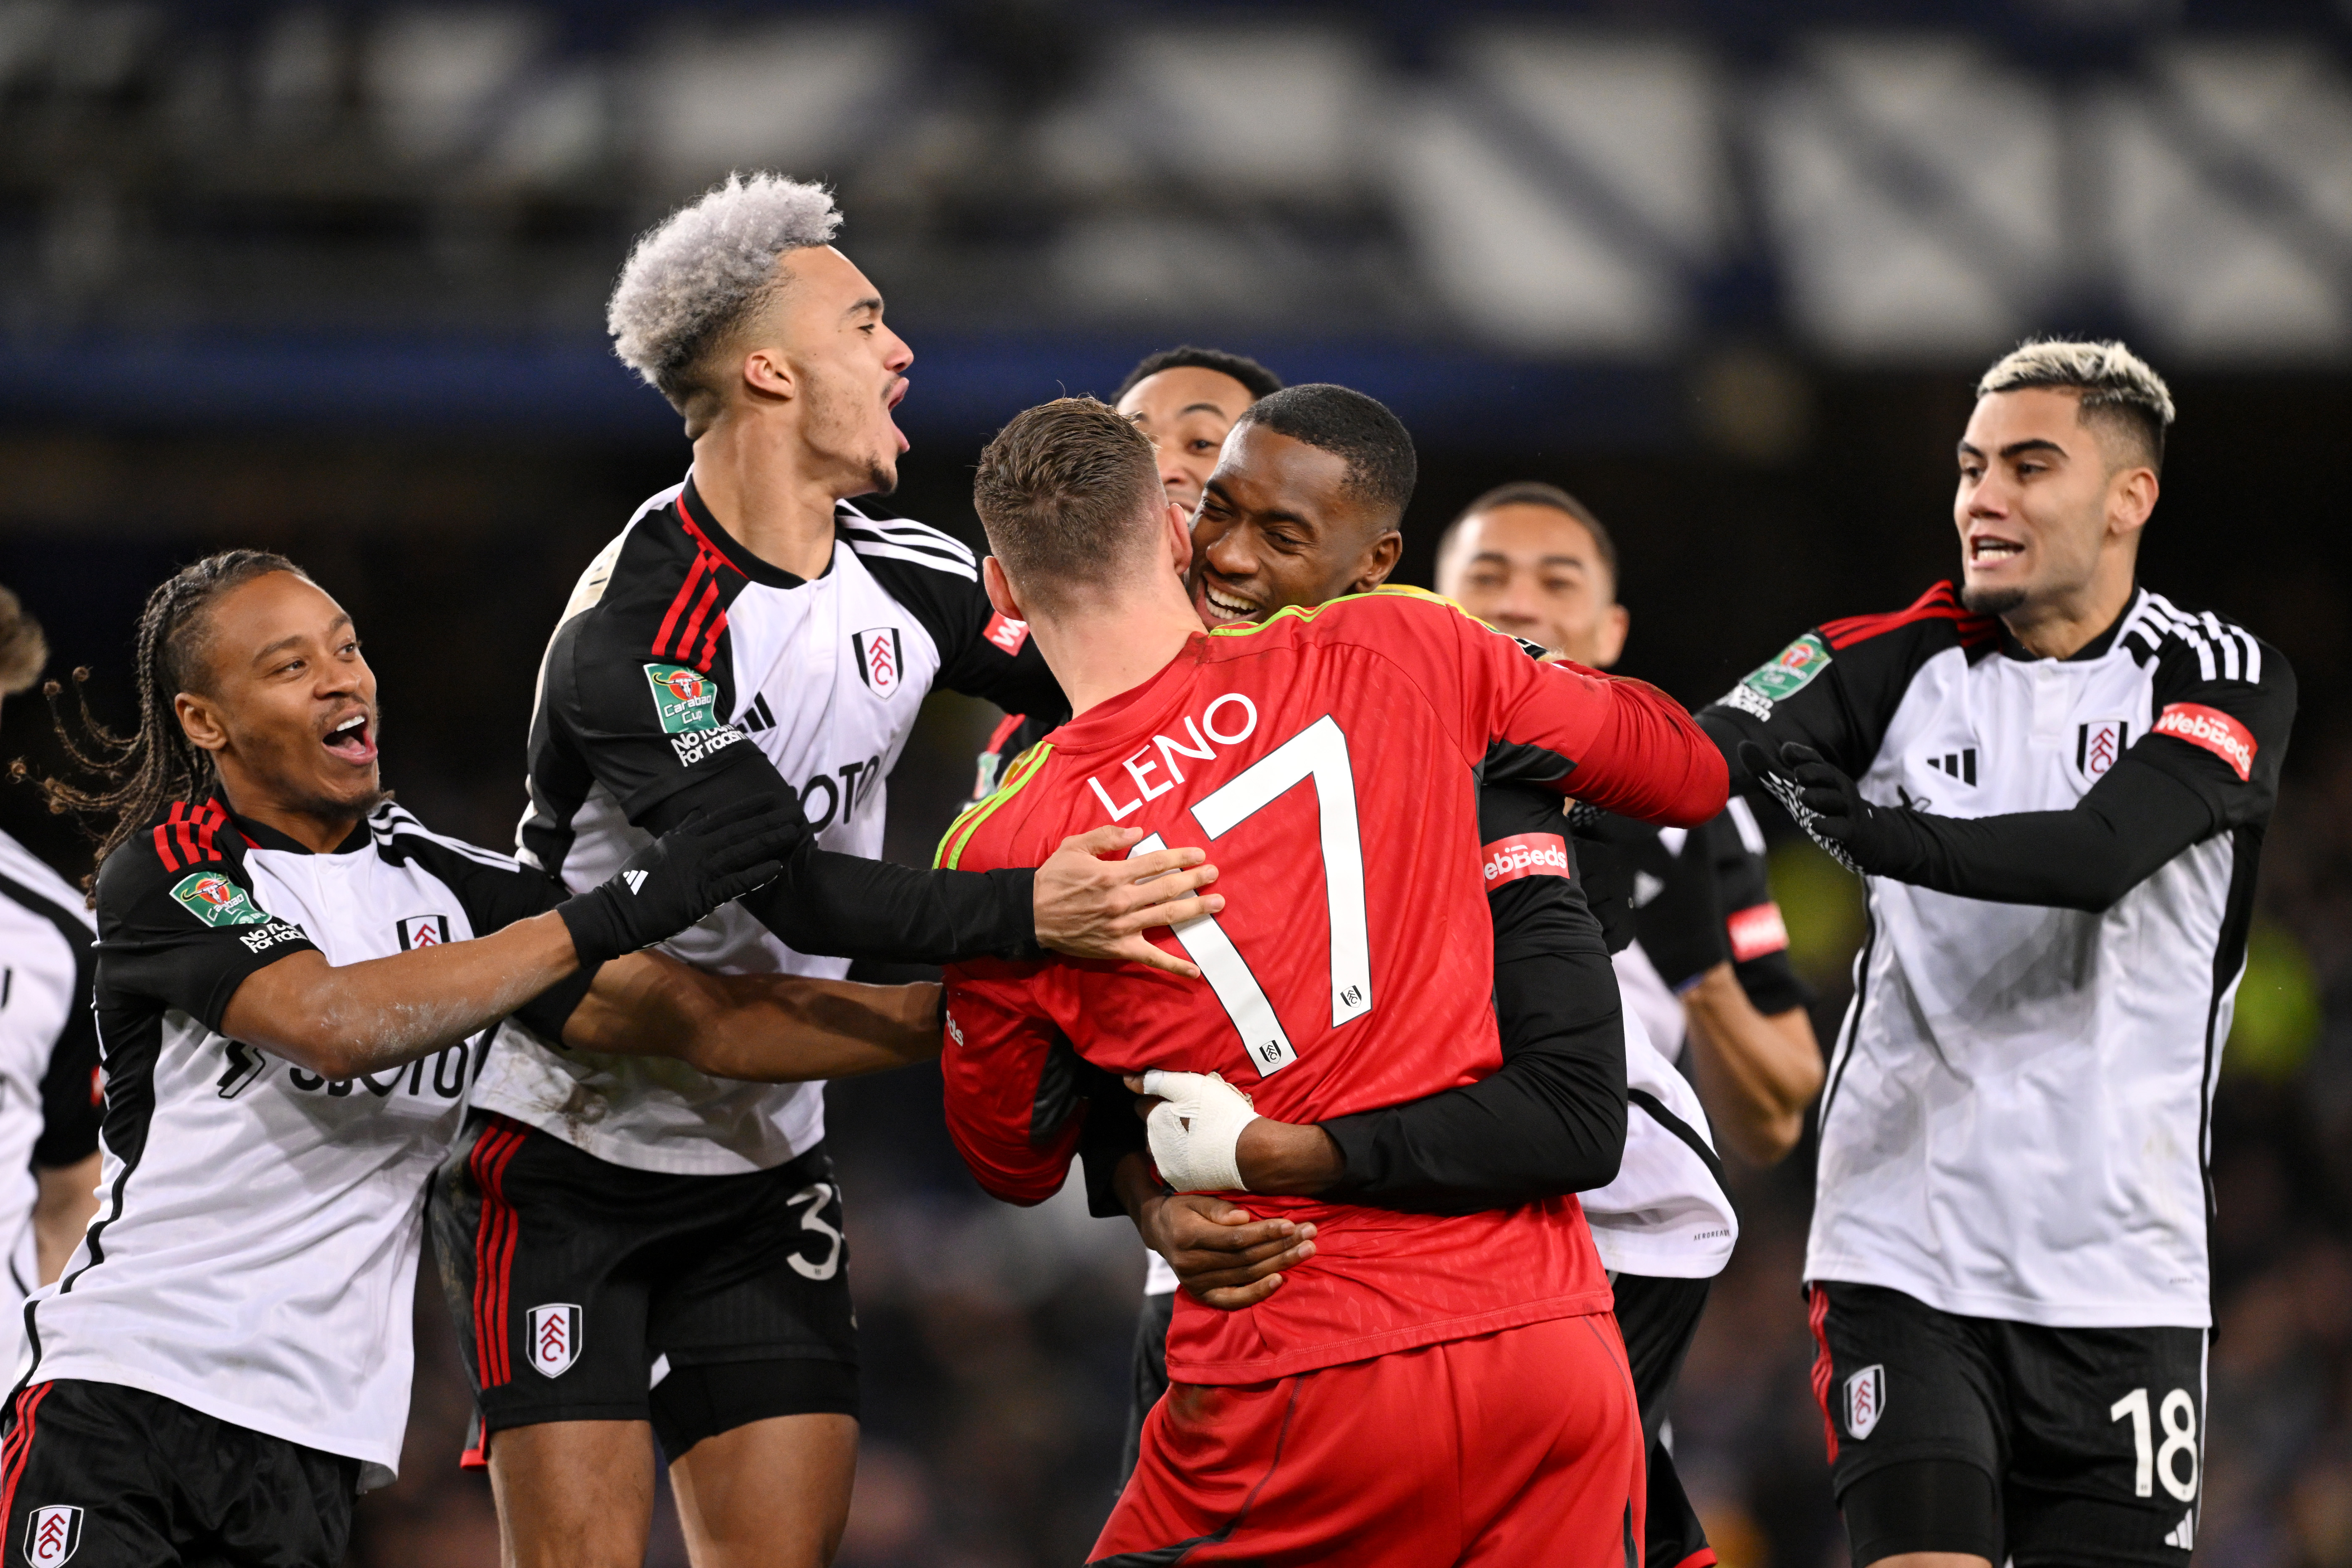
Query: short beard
x,y
879,480
330,810
1992,601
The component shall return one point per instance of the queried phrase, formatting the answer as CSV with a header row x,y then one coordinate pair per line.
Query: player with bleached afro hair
x,y
771,343
769,595
693,279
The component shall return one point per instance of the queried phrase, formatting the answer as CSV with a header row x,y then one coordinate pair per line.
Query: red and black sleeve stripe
x,y
1939,603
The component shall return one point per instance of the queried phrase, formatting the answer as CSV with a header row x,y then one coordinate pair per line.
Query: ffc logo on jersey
x,y
217,900
2096,746
1865,1400
554,1338
424,931
51,1536
2214,730
879,661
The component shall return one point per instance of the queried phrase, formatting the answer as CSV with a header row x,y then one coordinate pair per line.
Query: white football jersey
x,y
254,1251
681,652
1667,1214
48,1059
2018,1110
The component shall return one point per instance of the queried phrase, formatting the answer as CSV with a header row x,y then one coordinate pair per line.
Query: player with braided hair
x,y
156,764
295,983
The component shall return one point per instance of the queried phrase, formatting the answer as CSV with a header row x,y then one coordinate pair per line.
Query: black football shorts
x,y
2008,1440
1658,1318
98,1473
585,1291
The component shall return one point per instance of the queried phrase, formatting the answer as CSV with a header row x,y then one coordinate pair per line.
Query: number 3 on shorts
x,y
2178,1414
1318,752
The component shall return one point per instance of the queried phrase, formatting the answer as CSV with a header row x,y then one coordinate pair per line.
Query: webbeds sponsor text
x,y
2214,730
1525,855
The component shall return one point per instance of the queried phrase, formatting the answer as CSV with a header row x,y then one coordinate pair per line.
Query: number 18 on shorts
x,y
2092,1438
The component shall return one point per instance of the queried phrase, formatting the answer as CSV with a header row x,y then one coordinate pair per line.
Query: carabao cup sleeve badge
x,y
1790,672
685,699
217,900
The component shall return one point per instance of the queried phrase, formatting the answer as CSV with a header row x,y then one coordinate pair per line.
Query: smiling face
x,y
1186,412
2049,510
288,711
823,346
1278,527
1538,573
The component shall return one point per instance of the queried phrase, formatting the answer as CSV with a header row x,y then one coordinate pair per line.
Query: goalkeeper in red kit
x,y
1425,1389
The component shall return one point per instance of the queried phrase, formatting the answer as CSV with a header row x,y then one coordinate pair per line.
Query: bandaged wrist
x,y
1196,1130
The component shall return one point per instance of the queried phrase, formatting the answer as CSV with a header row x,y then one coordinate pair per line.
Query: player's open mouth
x,y
891,400
352,739
1986,549
1223,608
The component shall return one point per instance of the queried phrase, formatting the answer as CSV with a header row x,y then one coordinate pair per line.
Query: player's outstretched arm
x,y
61,1212
1620,744
1647,760
766,1028
1083,902
2123,830
1758,1071
343,1022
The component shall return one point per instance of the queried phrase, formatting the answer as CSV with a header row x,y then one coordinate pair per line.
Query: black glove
x,y
1670,897
1861,836
704,862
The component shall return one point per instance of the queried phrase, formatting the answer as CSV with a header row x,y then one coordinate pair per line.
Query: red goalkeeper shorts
x,y
1521,1446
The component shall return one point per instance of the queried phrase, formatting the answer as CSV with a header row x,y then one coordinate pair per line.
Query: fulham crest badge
x,y
51,1536
554,1338
2096,746
1865,1400
424,931
878,664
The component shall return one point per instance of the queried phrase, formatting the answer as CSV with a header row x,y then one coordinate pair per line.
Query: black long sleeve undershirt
x,y
839,906
1551,1119
847,906
2118,835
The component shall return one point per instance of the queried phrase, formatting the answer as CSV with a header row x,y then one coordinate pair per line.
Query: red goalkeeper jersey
x,y
1325,759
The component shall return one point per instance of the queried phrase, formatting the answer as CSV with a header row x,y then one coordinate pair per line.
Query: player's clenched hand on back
x,y
1092,906
1223,1256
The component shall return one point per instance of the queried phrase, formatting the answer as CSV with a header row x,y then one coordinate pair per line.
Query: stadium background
x,y
328,280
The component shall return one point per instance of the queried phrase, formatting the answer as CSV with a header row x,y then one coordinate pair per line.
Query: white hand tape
x,y
1196,1131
